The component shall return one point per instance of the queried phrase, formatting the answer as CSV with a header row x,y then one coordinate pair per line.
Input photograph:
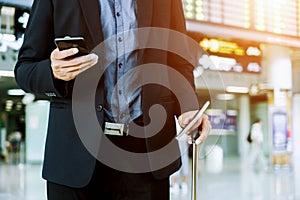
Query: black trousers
x,y
110,184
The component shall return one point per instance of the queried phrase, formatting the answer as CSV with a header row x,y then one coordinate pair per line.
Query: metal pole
x,y
194,165
194,135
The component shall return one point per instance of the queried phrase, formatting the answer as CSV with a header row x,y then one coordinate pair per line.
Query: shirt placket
x,y
121,58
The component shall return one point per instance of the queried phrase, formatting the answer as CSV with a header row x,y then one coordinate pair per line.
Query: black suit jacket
x,y
66,160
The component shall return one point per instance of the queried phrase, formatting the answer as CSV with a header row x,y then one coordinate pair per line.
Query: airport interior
x,y
250,71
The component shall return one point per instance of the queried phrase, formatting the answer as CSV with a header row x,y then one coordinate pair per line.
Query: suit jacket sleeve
x,y
178,24
33,70
184,66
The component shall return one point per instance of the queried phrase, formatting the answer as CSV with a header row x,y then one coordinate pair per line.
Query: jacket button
x,y
99,107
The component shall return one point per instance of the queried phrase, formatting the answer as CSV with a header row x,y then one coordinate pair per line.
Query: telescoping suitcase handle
x,y
194,166
195,135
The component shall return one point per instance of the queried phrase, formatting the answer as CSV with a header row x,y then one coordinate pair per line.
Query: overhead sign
x,y
229,56
276,16
227,47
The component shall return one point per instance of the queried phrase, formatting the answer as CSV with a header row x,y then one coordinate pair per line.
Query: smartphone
x,y
194,120
72,42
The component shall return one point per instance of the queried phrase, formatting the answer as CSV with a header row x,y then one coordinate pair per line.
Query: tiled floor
x,y
21,182
235,182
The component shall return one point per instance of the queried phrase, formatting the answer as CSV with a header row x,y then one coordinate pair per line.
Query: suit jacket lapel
x,y
91,13
144,17
144,13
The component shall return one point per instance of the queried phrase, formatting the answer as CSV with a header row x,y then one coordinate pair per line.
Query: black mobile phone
x,y
72,42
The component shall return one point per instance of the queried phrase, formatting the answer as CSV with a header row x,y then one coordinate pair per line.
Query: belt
x,y
116,129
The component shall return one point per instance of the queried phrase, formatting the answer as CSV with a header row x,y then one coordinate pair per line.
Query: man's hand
x,y
203,123
68,69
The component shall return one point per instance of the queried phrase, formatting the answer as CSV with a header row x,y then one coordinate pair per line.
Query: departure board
x,y
273,16
229,55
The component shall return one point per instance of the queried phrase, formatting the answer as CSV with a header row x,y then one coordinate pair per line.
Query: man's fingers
x,y
185,118
83,59
69,69
59,55
75,70
205,125
90,59
81,64
205,129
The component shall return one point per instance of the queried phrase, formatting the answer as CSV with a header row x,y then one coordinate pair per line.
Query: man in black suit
x,y
72,171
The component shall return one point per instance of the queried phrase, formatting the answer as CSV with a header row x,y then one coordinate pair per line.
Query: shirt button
x,y
120,39
122,115
118,14
99,107
120,92
120,65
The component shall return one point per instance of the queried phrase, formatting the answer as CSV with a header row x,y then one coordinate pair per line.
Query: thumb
x,y
186,120
56,54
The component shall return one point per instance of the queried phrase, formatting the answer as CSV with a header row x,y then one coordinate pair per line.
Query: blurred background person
x,y
257,159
